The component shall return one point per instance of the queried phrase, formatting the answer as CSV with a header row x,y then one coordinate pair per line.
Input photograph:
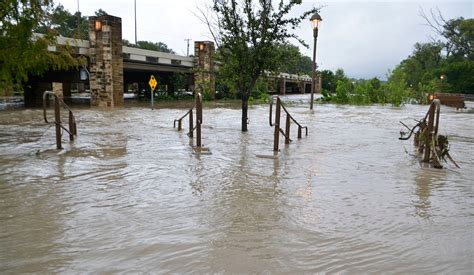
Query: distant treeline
x,y
440,66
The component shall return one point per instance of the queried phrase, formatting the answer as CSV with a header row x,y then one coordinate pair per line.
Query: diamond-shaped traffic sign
x,y
152,83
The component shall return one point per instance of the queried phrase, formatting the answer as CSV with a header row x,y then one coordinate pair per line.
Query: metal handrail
x,y
198,106
278,129
422,123
179,120
72,131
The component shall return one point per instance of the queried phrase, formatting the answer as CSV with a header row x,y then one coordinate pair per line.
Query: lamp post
x,y
315,20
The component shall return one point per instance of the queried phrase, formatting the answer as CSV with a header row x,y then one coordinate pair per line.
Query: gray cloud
x,y
365,38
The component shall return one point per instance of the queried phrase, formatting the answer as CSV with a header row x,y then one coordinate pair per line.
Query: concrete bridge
x,y
112,67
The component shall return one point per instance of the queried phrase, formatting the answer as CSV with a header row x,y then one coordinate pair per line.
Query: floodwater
x,y
129,195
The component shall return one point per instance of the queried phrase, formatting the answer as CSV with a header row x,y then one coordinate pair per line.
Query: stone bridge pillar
x,y
106,61
204,73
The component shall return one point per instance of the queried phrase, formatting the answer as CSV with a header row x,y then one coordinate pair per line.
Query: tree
x,y
293,62
247,34
21,52
328,83
100,12
147,45
66,23
458,33
450,55
418,66
396,89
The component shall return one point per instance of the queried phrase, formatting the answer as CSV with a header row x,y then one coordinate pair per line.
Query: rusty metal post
x,y
179,125
429,133
57,119
437,104
198,120
276,135
71,127
74,127
299,131
287,129
191,124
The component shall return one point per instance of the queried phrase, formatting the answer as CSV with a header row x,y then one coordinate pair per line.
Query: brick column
x,y
282,86
204,74
106,61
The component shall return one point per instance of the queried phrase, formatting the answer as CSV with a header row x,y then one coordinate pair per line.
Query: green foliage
x,y
328,82
452,59
100,12
418,75
207,94
343,90
459,75
425,58
248,36
22,53
147,45
459,34
290,60
179,80
260,88
264,98
65,23
396,89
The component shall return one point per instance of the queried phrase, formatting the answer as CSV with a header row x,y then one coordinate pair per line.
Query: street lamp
x,y
315,20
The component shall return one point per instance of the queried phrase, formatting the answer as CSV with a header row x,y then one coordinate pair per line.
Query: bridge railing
x,y
276,124
58,102
198,107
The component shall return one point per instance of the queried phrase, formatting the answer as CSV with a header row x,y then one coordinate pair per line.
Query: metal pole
x,y
198,120
187,51
57,120
313,77
78,21
152,92
71,127
191,126
276,134
135,9
429,131
287,129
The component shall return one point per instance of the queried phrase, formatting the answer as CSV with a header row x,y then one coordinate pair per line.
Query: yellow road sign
x,y
152,83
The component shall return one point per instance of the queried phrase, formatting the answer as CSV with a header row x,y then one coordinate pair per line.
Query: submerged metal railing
x,y
433,147
198,106
72,131
276,124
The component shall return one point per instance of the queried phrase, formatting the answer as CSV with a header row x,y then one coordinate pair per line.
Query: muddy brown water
x,y
129,195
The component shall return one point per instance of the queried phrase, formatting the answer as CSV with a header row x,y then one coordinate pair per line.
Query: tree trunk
x,y
245,106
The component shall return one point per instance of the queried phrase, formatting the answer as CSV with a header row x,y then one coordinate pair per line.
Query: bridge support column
x,y
204,75
282,86
106,61
301,87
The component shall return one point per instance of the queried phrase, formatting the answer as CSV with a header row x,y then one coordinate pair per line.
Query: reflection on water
x,y
129,195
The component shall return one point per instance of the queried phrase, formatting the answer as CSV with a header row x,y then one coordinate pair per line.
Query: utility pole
x,y
78,21
188,39
135,8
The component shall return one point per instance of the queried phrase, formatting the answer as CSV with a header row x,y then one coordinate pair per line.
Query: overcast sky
x,y
365,38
